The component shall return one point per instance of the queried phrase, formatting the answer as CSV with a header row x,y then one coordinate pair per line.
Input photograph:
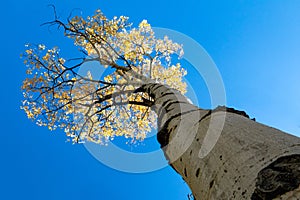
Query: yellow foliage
x,y
99,110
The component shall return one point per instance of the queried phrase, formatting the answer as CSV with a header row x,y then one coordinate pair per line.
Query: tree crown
x,y
57,96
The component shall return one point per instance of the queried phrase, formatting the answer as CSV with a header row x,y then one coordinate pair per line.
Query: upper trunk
x,y
222,154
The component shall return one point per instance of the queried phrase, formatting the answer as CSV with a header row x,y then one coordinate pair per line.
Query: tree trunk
x,y
222,154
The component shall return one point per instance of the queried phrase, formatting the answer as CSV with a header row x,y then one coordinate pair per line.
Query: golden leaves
x,y
28,51
95,110
46,57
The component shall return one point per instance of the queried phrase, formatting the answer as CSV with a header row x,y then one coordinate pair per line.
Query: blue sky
x,y
255,45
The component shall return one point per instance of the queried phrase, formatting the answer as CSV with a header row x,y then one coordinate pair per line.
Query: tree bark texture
x,y
222,154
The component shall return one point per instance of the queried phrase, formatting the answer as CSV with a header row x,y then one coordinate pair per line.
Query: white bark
x,y
241,160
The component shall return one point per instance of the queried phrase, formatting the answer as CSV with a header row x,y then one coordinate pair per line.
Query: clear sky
x,y
255,45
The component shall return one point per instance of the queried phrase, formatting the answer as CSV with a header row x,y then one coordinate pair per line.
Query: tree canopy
x,y
97,110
